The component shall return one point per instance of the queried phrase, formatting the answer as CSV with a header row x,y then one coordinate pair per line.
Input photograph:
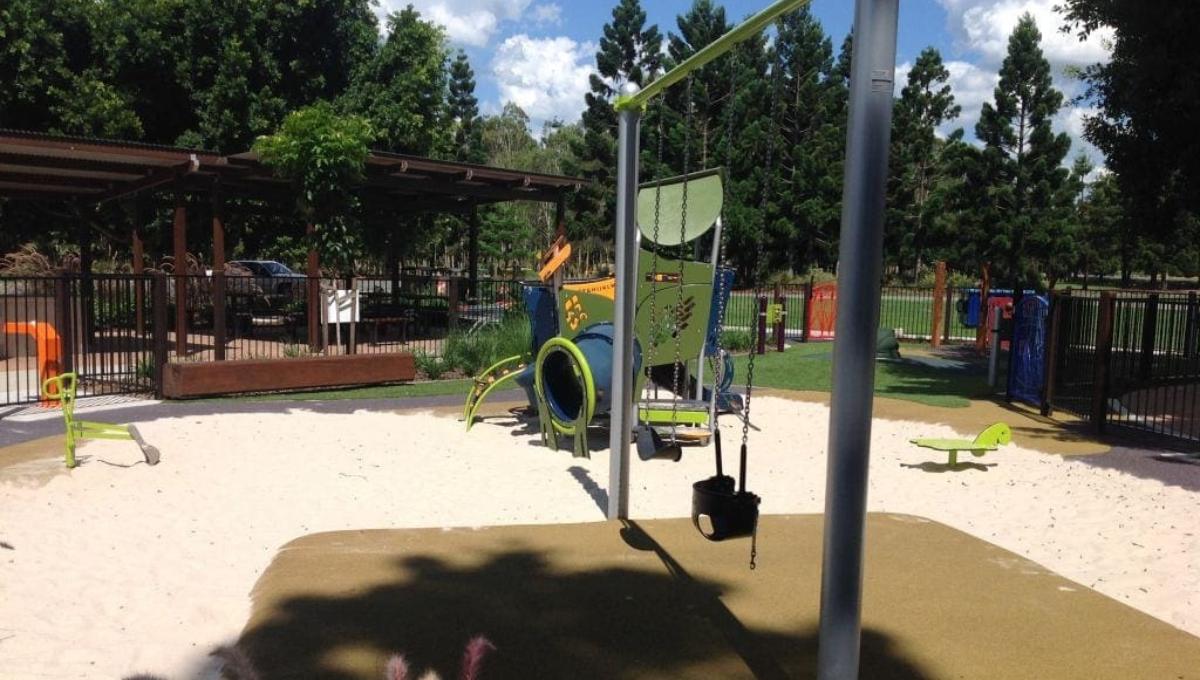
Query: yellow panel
x,y
605,288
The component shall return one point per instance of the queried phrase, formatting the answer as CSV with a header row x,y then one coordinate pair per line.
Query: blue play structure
x,y
1027,367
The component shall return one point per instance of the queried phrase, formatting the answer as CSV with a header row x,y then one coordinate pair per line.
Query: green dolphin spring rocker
x,y
992,437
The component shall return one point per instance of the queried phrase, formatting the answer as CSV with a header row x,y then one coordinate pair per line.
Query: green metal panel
x,y
705,195
695,311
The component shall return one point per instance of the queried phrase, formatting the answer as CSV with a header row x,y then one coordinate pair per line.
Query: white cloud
x,y
467,22
983,27
546,77
547,14
971,85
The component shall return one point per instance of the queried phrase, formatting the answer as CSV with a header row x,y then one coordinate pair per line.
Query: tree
x,y
324,154
1021,158
401,91
1148,96
629,51
917,169
1101,223
464,112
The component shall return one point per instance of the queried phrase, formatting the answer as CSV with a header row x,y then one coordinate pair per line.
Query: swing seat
x,y
651,445
731,513
688,412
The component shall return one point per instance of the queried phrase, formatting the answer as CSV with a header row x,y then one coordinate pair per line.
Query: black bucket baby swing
x,y
722,507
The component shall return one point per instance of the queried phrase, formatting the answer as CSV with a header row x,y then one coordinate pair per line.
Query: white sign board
x,y
341,306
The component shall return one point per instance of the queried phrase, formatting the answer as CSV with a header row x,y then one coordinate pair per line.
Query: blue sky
x,y
538,53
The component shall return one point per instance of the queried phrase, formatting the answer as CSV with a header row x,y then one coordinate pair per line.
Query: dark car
x,y
274,278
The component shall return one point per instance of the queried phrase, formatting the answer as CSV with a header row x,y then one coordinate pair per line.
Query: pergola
x,y
43,167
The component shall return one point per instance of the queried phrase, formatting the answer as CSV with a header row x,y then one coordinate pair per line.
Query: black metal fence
x,y
1129,359
115,330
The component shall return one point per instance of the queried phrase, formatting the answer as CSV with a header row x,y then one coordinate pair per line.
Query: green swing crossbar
x,y
62,388
686,412
990,439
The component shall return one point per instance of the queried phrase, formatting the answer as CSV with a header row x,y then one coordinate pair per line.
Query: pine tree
x,y
1022,158
917,170
629,52
463,110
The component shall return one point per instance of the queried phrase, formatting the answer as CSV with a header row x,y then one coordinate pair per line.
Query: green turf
x,y
419,389
809,367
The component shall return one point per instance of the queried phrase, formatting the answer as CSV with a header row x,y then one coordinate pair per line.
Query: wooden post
x,y
1103,357
179,238
473,254
87,289
158,301
761,345
939,308
982,328
63,322
1053,351
218,275
1149,330
1191,334
948,314
313,271
453,298
139,266
352,346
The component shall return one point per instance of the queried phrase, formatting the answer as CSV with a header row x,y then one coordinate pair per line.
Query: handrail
x,y
708,53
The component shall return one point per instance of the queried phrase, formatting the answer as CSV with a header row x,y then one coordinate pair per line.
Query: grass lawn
x,y
421,389
809,367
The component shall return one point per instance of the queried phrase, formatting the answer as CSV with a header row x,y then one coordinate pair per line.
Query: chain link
x,y
687,159
658,173
769,168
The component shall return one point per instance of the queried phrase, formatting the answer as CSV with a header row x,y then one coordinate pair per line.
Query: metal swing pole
x,y
860,267
627,239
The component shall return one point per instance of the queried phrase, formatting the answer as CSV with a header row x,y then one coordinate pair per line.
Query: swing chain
x,y
658,172
687,157
717,363
769,169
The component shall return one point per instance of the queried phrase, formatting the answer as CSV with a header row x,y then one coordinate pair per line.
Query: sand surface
x,y
108,570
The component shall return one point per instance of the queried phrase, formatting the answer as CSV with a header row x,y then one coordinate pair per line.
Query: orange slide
x,y
49,352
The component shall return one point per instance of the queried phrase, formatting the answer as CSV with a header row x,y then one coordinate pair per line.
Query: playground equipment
x,y
62,389
990,439
48,344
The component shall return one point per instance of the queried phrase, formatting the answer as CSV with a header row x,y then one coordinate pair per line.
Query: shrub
x,y
431,366
737,340
473,352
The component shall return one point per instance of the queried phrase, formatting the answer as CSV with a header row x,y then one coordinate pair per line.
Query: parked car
x,y
273,277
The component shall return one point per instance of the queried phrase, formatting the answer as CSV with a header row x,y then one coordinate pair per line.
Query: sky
x,y
538,53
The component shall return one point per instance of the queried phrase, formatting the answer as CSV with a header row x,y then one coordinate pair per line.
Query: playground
x,y
623,478
168,562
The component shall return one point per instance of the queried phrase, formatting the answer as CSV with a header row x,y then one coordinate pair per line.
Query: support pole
x,y
179,236
939,305
140,214
627,237
861,264
313,289
473,254
218,275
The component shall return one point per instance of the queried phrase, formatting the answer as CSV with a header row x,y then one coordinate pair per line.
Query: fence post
x,y
939,310
1100,374
949,313
761,345
352,347
63,318
781,320
805,310
1149,330
158,300
1053,350
1190,333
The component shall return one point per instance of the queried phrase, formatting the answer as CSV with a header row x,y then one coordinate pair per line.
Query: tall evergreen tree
x,y
402,90
630,51
1148,96
1022,158
917,172
464,112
